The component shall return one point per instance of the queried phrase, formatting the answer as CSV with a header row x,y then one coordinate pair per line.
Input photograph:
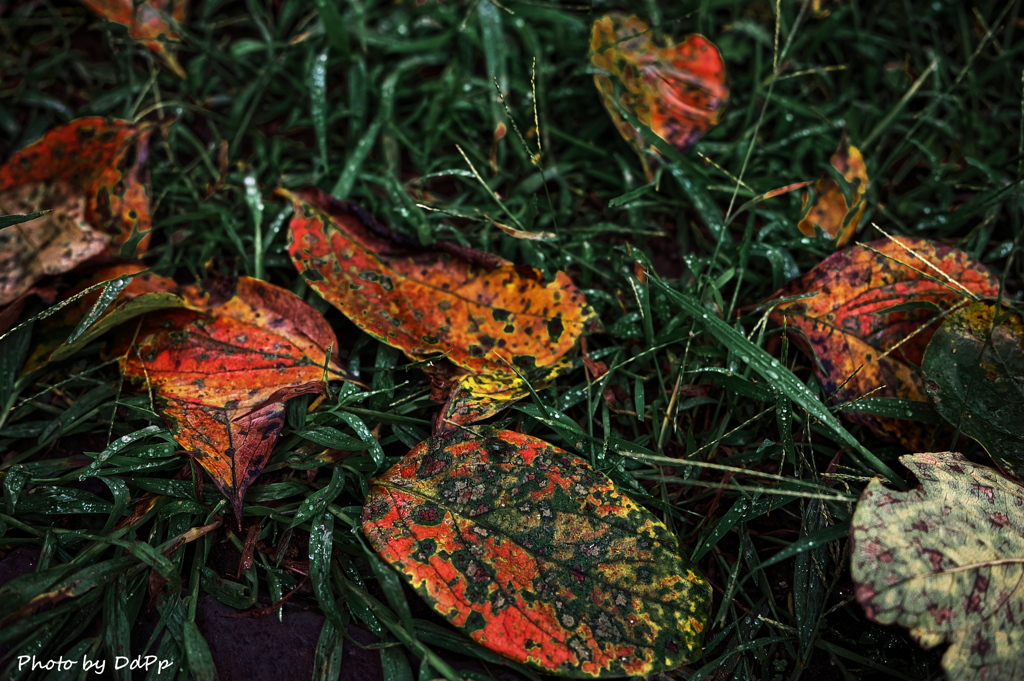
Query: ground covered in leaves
x,y
581,332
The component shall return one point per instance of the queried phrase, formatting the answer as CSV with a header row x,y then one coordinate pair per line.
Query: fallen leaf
x,y
535,555
872,311
830,214
221,372
679,91
146,21
88,175
973,370
446,303
946,560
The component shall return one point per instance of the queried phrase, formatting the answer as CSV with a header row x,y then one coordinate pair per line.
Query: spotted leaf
x,y
973,370
88,316
456,306
869,314
946,560
88,174
146,21
535,555
221,371
830,214
679,90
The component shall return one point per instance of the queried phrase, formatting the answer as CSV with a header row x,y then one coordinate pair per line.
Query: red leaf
x,y
859,346
222,370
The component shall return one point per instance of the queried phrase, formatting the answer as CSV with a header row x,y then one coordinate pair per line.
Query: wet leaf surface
x,y
535,555
482,314
946,560
872,310
830,214
973,371
220,373
96,313
678,90
146,21
88,174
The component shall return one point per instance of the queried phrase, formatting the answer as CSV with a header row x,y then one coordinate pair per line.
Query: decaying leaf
x,y
946,560
88,173
872,310
146,21
450,304
678,90
535,555
220,373
830,213
973,371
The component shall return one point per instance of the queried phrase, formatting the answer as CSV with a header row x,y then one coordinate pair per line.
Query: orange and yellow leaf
x,y
678,90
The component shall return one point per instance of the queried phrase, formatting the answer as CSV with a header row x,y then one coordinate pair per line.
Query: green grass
x,y
373,101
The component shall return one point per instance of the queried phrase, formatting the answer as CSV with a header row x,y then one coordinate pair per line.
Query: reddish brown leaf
x,y
537,556
678,90
480,313
221,372
81,172
830,214
146,21
861,347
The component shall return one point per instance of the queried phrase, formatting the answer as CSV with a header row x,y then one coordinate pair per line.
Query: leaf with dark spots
x,y
220,374
870,313
447,303
678,90
535,555
147,21
71,172
946,560
830,214
973,369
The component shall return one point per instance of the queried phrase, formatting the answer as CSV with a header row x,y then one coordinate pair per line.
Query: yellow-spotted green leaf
x,y
536,555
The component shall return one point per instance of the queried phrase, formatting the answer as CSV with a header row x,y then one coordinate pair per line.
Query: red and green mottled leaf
x,y
536,555
146,21
973,371
84,173
830,214
872,312
221,371
678,90
946,560
479,312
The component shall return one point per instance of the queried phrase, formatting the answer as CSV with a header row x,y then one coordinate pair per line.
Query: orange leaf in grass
x,y
678,90
221,371
831,214
479,318
88,173
146,21
872,310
